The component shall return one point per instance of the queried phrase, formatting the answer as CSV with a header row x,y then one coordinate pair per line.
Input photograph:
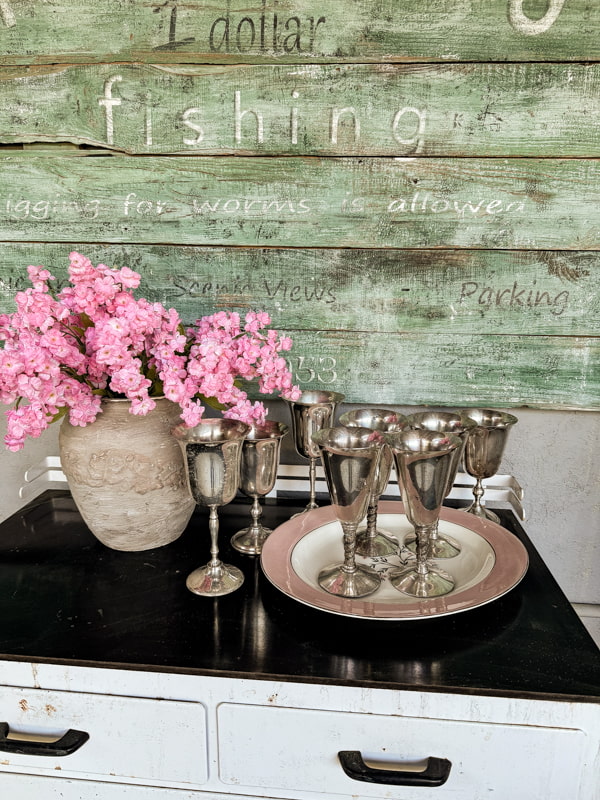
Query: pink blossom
x,y
94,339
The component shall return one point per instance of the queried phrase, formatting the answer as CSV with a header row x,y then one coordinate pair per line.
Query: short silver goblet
x,y
311,412
372,541
423,462
483,452
212,451
258,473
442,546
350,457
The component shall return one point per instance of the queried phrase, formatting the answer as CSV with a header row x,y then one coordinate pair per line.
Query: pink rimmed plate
x,y
492,561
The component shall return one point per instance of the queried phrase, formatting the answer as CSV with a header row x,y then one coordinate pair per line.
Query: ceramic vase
x,y
127,477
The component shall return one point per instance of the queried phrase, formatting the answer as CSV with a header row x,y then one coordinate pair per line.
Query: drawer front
x,y
297,750
130,738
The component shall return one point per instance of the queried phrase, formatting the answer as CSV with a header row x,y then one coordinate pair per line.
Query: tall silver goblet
x,y
312,411
442,546
483,452
258,473
350,457
423,463
212,451
372,541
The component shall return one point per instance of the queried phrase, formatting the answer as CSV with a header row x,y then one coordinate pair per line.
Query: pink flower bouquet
x,y
64,351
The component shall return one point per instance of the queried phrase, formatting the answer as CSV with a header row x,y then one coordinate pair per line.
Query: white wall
x,y
14,465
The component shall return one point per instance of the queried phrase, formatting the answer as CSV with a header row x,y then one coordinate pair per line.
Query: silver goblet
x,y
442,546
371,541
258,473
212,451
423,463
350,457
312,411
483,452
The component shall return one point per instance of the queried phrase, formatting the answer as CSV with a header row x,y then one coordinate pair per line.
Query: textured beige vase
x,y
126,475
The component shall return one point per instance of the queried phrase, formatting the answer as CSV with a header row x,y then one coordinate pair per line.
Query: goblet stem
x,y
312,482
371,518
256,514
349,529
422,551
439,546
477,507
420,580
216,578
349,579
250,540
213,527
371,541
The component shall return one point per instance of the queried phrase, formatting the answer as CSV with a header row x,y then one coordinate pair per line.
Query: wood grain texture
x,y
56,31
471,203
422,221
464,292
356,109
544,372
388,326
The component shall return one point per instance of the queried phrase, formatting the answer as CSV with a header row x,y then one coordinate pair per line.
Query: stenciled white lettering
x,y
7,15
108,101
533,27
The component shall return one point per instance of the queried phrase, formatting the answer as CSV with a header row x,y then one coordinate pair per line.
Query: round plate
x,y
492,561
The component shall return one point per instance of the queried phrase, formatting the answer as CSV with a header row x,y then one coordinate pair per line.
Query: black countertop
x,y
66,598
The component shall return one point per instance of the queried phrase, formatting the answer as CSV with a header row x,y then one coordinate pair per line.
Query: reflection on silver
x,y
442,422
483,452
423,463
350,457
372,541
258,473
212,451
313,411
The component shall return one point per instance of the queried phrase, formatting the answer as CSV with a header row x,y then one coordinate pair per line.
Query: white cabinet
x,y
300,749
116,738
213,738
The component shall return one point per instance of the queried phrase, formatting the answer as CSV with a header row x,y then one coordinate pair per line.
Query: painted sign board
x,y
411,190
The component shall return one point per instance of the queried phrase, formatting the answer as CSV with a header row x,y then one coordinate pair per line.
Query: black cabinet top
x,y
66,598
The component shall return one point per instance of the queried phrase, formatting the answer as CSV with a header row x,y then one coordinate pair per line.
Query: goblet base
x,y
381,543
440,547
433,583
359,583
482,512
215,580
250,540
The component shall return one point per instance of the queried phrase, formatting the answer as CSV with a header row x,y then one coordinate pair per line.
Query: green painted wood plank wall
x,y
195,31
427,231
333,109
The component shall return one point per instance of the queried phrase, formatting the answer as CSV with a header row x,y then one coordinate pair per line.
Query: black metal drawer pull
x,y
435,774
67,744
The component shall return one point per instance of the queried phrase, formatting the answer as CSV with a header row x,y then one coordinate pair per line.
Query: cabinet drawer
x,y
297,750
130,738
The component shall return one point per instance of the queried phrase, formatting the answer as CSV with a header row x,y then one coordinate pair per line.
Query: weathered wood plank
x,y
466,109
356,329
361,202
466,292
419,369
56,31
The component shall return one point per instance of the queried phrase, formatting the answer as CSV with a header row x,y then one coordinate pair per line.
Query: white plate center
x,y
323,546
